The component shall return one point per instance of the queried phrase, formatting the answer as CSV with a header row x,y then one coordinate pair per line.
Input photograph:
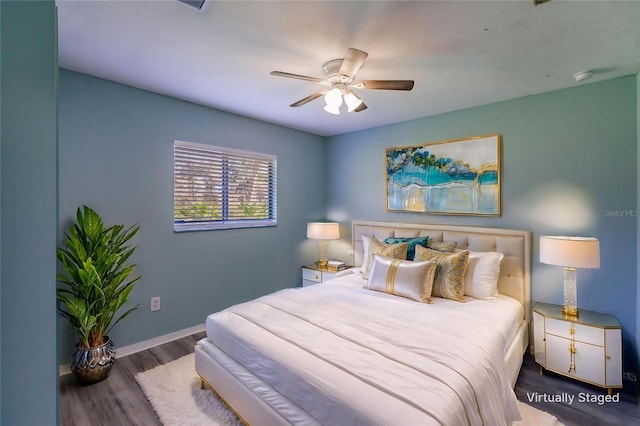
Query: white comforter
x,y
350,356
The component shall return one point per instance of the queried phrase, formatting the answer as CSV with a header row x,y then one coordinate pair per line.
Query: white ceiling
x,y
460,53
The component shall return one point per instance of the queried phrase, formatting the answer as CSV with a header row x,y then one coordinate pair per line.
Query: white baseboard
x,y
146,344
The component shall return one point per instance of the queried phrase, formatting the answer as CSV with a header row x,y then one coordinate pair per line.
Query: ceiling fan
x,y
339,77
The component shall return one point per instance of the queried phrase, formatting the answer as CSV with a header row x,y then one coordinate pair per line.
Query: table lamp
x,y
323,231
571,253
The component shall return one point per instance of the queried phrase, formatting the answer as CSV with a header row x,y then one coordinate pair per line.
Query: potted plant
x,y
96,284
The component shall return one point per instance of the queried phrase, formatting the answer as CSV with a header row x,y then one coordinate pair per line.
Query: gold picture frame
x,y
453,177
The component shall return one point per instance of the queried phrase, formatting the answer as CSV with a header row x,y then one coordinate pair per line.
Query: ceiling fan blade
x,y
296,76
308,99
361,107
352,62
387,84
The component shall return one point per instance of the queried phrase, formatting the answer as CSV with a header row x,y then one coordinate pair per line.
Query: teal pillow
x,y
411,244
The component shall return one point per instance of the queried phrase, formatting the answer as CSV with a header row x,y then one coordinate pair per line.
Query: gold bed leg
x,y
610,391
204,383
539,369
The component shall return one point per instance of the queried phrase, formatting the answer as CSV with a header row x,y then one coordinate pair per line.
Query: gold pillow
x,y
448,246
405,278
396,251
449,279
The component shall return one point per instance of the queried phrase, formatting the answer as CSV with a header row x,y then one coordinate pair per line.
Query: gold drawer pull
x,y
572,355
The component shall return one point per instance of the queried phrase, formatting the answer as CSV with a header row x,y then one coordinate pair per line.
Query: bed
x,y
337,353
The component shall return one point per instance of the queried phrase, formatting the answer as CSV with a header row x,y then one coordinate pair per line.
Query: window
x,y
221,188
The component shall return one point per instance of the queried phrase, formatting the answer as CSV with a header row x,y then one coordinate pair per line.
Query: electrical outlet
x,y
155,303
627,375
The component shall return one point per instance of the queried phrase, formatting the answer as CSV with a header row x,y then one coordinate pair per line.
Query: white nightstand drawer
x,y
326,276
581,333
311,275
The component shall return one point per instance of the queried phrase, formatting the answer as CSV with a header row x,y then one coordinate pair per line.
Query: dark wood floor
x,y
118,400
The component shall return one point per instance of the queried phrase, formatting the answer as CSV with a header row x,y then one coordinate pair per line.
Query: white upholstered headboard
x,y
515,271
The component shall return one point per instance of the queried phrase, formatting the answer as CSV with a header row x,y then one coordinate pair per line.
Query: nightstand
x,y
314,274
587,347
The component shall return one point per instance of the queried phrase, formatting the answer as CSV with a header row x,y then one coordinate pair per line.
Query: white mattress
x,y
340,354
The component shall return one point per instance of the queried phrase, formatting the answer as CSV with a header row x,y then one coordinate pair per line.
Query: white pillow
x,y
405,278
483,271
366,242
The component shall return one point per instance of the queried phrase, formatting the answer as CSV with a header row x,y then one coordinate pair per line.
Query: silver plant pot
x,y
93,364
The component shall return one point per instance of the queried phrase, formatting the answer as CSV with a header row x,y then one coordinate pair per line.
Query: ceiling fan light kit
x,y
339,75
339,95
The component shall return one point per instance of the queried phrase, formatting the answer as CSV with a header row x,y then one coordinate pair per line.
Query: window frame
x,y
210,225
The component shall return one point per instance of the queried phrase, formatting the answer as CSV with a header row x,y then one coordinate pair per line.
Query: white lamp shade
x,y
323,231
570,252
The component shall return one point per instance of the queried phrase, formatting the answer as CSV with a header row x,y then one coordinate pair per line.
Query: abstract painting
x,y
458,177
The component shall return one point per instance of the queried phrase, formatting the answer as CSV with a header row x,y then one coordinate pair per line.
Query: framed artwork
x,y
458,177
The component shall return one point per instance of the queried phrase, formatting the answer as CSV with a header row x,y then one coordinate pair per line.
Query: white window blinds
x,y
221,188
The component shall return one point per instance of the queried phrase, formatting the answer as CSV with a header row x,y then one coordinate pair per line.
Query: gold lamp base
x,y
570,311
322,263
324,254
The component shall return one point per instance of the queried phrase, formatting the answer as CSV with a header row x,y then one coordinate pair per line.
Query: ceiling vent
x,y
583,75
196,4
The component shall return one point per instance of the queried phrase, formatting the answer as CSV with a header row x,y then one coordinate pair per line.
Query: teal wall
x,y
638,219
1,102
28,362
569,159
116,155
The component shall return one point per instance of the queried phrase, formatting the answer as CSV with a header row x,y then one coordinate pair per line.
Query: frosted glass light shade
x,y
352,101
332,109
333,97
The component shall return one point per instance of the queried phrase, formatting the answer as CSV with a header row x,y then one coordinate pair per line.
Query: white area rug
x,y
174,392
531,416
